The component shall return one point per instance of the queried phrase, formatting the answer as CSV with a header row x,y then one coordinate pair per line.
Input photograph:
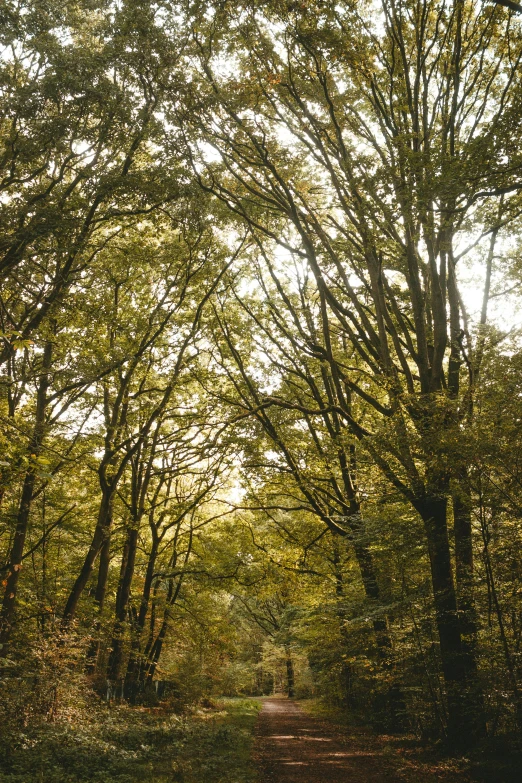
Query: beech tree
x,y
379,149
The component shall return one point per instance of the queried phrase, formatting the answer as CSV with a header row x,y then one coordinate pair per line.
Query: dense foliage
x,y
260,359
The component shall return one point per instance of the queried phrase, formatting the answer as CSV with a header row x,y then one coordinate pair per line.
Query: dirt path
x,y
292,747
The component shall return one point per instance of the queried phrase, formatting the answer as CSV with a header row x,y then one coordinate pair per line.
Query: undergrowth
x,y
137,745
408,760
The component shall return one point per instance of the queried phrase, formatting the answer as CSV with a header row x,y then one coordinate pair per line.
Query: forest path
x,y
292,747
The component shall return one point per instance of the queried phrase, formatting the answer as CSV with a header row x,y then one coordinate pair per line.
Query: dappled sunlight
x,y
310,749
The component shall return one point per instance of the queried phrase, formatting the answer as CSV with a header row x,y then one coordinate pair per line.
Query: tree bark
x,y
114,668
154,654
464,560
100,537
99,598
134,667
458,664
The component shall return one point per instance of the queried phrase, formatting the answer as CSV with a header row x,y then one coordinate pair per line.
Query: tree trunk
x,y
458,665
99,599
466,585
154,653
103,567
371,588
464,562
144,657
346,670
370,582
133,668
290,675
100,537
24,510
122,602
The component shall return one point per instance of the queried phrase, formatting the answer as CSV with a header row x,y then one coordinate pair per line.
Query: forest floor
x,y
293,746
228,741
123,744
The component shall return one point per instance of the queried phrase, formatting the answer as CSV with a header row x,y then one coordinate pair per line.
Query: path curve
x,y
292,747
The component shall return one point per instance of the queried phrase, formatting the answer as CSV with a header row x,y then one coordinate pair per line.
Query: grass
x,y
132,745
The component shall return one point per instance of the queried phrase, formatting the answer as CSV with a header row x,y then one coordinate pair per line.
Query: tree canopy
x,y
261,359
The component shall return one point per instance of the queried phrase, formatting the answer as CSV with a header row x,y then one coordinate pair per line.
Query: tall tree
x,y
376,148
139,393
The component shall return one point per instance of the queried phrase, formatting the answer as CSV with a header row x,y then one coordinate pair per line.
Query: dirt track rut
x,y
292,747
